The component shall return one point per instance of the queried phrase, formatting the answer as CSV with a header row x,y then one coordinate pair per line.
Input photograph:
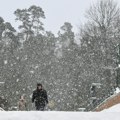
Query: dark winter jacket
x,y
40,97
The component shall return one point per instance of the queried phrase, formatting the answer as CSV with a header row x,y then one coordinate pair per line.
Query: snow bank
x,y
109,114
58,116
115,108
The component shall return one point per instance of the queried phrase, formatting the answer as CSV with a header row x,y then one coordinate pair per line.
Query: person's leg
x,y
41,108
37,107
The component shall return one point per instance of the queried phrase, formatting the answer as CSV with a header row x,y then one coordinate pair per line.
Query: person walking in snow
x,y
40,97
22,104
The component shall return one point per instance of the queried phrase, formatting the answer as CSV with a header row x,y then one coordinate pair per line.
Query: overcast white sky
x,y
56,11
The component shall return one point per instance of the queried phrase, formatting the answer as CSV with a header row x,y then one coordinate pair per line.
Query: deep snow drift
x,y
58,116
110,114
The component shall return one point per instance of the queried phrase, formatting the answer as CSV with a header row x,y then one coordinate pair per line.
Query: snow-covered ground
x,y
115,108
58,116
110,114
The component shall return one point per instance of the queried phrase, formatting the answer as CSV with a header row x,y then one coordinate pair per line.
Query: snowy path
x,y
59,115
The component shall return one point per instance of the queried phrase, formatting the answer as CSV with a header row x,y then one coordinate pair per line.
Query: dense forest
x,y
74,75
